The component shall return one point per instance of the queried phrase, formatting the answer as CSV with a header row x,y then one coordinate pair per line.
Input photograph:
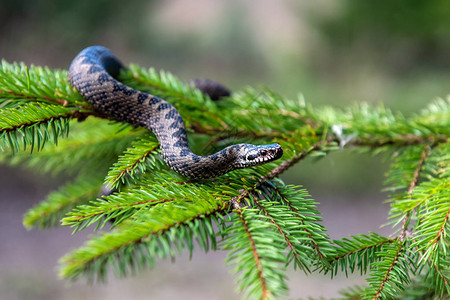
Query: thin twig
x,y
336,258
130,167
265,292
280,230
38,122
62,102
314,244
386,277
400,140
412,185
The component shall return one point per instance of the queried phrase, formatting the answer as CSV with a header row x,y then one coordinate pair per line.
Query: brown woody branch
x,y
386,277
412,185
58,101
265,292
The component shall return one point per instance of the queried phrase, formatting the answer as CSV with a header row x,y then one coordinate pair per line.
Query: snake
x,y
94,73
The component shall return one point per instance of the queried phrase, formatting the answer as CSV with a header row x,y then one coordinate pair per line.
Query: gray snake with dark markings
x,y
93,74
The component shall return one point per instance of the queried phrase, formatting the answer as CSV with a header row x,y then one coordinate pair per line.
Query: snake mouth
x,y
273,154
264,154
278,153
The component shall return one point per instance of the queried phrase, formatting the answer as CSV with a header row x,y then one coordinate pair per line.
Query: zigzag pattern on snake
x,y
93,74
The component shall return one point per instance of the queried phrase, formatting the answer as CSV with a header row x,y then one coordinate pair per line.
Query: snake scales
x,y
93,72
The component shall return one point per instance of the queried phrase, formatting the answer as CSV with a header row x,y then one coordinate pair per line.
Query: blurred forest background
x,y
333,52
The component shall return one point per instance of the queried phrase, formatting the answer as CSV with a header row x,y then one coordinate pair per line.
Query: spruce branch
x,y
379,127
149,234
149,194
92,145
14,95
412,185
156,214
405,173
431,233
429,201
438,276
140,157
305,218
273,213
390,273
20,84
357,253
254,250
31,126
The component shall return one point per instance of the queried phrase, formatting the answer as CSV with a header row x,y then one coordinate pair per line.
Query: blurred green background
x,y
333,52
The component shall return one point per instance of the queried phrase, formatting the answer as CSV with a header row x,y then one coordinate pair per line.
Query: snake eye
x,y
263,152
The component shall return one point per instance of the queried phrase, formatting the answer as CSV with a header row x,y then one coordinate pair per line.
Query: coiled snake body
x,y
92,73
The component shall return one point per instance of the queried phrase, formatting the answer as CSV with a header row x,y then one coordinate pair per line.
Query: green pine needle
x,y
159,232
140,157
30,126
357,253
255,252
20,84
294,214
390,273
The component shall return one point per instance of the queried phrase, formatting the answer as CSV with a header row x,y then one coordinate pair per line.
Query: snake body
x,y
93,74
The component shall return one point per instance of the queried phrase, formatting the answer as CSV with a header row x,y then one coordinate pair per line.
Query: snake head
x,y
252,155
